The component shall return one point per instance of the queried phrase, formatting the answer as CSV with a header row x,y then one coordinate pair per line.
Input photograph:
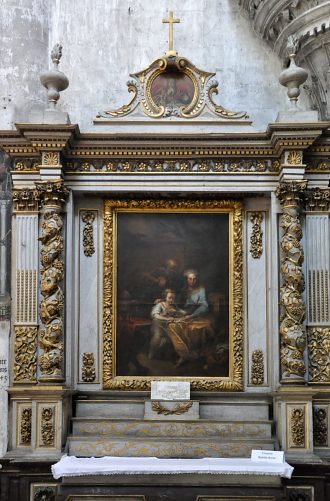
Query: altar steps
x,y
117,427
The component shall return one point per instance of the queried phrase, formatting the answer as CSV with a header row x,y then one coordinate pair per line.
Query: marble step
x,y
98,446
136,428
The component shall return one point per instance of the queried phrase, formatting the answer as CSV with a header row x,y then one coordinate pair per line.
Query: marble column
x,y
53,196
292,331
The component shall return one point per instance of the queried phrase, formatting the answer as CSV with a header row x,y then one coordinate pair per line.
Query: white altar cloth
x,y
71,466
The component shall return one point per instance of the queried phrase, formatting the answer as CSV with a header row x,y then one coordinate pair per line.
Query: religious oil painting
x,y
173,293
173,89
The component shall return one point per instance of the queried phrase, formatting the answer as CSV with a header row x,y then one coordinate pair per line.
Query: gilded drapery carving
x,y
292,332
51,345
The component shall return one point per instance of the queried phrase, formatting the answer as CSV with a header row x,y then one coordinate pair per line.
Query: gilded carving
x,y
88,238
257,369
51,158
51,278
47,426
298,427
25,358
256,247
294,158
26,426
27,165
318,199
232,383
320,427
293,336
45,493
178,409
25,200
319,354
88,368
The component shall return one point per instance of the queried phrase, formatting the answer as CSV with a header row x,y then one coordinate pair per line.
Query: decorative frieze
x,y
256,247
319,354
25,354
88,237
320,427
28,165
88,368
293,336
47,427
25,426
298,427
257,369
53,195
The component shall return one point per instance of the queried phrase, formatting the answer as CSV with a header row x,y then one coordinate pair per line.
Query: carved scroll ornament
x,y
298,427
257,370
320,427
319,354
26,426
47,426
256,248
293,336
88,368
88,237
25,361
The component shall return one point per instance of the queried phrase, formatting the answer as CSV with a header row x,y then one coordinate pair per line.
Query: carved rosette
x,y
88,237
88,368
298,427
25,361
53,195
317,200
319,354
47,426
257,370
256,235
320,427
292,332
26,426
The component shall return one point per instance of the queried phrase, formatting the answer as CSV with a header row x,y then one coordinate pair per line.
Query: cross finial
x,y
171,20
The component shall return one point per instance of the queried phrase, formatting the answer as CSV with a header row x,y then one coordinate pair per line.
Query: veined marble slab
x,y
170,390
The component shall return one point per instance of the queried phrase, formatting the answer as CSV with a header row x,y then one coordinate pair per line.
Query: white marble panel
x,y
257,297
88,300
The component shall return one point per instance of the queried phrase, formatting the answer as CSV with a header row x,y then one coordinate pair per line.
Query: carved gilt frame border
x,y
234,382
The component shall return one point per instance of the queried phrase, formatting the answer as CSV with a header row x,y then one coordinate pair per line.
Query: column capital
x,y
52,194
290,193
317,199
25,200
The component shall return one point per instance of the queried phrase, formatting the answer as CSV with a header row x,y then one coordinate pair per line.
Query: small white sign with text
x,y
170,390
268,456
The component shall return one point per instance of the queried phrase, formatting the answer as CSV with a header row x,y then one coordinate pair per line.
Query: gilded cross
x,y
171,20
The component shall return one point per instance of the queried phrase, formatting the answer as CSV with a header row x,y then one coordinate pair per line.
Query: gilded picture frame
x,y
137,233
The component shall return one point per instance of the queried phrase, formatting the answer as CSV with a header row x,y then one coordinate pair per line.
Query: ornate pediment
x,y
172,86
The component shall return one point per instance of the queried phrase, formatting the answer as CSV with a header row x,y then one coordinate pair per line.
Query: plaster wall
x,y
104,41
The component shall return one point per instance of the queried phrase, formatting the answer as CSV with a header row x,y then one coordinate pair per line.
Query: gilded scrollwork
x,y
88,237
320,427
318,199
293,336
178,409
88,368
26,426
298,427
25,200
25,358
257,369
47,426
256,247
110,380
51,278
319,354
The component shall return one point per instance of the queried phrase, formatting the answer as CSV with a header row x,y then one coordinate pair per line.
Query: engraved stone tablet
x,y
170,390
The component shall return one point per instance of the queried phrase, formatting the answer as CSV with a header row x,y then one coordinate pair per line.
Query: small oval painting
x,y
173,89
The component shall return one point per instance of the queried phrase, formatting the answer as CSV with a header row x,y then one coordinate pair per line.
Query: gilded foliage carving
x,y
110,381
25,200
319,354
257,369
256,247
88,368
298,427
293,336
178,409
25,359
26,426
320,427
47,426
51,278
318,199
88,238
